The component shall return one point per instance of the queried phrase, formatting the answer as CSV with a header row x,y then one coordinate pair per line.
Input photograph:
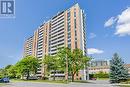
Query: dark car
x,y
93,78
33,78
4,80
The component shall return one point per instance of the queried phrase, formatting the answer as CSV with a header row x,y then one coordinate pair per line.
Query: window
x,y
69,40
75,33
69,45
69,36
75,23
68,14
75,44
69,29
74,14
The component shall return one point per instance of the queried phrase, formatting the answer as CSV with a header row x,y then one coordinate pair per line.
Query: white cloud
x,y
122,23
92,35
110,22
94,51
124,17
123,29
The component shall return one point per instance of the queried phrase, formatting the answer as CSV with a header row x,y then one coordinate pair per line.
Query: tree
x,y
12,72
8,66
65,56
78,62
118,72
3,73
27,66
72,61
51,64
66,60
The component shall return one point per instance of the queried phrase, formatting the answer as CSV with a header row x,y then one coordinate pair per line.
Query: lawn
x,y
2,84
102,78
49,81
124,86
59,81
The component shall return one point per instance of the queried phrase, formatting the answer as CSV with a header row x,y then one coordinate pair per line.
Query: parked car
x,y
4,80
93,78
33,78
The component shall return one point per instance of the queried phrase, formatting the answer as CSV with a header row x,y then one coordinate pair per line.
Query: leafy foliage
x,y
27,66
51,64
24,67
101,74
67,60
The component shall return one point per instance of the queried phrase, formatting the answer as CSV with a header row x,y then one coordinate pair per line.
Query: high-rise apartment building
x,y
65,29
28,46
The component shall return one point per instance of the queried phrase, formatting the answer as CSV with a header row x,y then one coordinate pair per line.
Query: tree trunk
x,y
54,75
28,75
22,76
72,77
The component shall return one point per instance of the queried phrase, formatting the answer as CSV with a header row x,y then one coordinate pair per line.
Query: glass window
x,y
75,44
69,45
69,40
75,33
68,14
74,14
75,23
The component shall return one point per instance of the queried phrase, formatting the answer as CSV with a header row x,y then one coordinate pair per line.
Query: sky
x,y
107,26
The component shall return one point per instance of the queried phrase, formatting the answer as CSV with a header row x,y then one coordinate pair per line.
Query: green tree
x,y
12,72
3,73
51,64
78,62
27,66
65,56
66,60
72,61
8,66
118,72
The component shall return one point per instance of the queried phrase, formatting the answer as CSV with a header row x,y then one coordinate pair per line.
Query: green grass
x,y
126,82
59,81
49,81
123,85
2,84
80,81
102,78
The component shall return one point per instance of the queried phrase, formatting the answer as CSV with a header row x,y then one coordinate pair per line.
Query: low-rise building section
x,y
97,66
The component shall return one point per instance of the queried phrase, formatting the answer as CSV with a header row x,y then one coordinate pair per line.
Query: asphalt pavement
x,y
97,83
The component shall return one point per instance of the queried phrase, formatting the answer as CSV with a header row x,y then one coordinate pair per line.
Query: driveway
x,y
43,84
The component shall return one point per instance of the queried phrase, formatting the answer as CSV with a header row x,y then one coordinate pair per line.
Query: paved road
x,y
42,84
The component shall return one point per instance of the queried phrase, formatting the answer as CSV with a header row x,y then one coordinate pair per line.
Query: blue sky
x,y
107,26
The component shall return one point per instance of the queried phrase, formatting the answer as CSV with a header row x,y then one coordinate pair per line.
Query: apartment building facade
x,y
65,29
